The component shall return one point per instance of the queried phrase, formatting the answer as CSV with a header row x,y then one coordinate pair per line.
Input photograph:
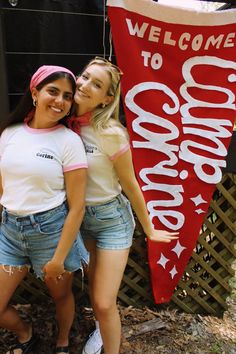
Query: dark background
x,y
58,32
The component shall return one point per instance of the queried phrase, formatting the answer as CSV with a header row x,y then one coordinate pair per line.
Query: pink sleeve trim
x,y
75,167
120,152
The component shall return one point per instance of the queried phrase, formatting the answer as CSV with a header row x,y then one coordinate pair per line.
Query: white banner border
x,y
182,16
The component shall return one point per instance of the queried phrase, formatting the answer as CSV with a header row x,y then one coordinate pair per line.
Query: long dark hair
x,y
25,105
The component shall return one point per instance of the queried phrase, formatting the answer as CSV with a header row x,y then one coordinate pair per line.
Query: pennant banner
x,y
178,90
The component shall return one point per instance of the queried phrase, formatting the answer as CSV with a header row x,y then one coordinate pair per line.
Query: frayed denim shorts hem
x,y
110,224
32,240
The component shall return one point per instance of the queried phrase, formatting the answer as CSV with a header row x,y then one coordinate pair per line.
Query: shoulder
x,y
115,130
67,133
69,140
114,141
12,129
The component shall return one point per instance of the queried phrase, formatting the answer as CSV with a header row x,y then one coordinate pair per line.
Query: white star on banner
x,y
199,211
178,249
173,272
198,200
163,260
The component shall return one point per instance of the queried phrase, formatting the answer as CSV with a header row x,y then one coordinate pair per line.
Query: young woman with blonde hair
x,y
108,224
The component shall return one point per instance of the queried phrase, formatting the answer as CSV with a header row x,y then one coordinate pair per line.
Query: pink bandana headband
x,y
44,71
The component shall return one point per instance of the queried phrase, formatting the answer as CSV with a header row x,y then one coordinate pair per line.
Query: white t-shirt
x,y
102,150
32,165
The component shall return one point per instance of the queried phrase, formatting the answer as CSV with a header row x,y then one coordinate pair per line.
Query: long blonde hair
x,y
105,117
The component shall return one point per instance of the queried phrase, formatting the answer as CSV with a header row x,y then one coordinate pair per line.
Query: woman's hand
x,y
54,270
162,236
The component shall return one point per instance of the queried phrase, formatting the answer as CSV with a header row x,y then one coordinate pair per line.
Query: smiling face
x,y
92,87
53,102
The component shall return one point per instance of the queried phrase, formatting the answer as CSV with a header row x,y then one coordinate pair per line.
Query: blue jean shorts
x,y
31,240
110,224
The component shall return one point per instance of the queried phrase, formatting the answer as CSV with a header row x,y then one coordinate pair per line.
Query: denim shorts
x,y
31,240
110,224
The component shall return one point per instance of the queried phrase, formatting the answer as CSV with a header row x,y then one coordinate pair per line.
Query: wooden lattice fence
x,y
204,286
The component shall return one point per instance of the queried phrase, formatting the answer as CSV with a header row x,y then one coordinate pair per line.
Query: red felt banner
x,y
178,90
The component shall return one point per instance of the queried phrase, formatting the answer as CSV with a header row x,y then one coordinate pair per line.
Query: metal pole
x,y
4,101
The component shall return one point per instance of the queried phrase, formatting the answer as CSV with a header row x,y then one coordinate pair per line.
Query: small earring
x,y
103,105
68,114
34,103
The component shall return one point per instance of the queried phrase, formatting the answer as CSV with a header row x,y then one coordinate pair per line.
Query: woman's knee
x,y
3,307
62,289
104,306
61,295
11,277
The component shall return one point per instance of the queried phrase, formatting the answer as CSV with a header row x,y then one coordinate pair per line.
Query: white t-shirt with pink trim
x,y
102,150
32,166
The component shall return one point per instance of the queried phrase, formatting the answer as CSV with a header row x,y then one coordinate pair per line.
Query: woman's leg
x,y
63,297
11,277
92,249
106,270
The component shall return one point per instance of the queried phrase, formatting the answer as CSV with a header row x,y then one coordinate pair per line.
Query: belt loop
x,y
4,216
92,210
119,198
32,220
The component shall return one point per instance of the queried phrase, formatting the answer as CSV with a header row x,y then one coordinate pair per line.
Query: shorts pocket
x,y
108,214
53,224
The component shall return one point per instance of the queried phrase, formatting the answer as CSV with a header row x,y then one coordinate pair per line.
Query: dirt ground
x,y
145,331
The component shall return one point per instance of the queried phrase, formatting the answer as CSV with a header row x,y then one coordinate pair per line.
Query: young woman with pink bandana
x,y
43,178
